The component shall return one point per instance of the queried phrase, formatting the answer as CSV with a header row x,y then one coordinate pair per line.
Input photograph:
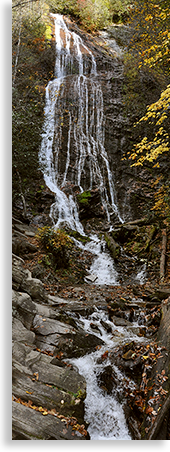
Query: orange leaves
x,y
105,355
72,421
149,410
39,43
35,376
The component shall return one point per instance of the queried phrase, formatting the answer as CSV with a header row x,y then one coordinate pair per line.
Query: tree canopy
x,y
151,44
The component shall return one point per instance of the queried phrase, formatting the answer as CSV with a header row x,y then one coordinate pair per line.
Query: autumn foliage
x,y
151,46
57,244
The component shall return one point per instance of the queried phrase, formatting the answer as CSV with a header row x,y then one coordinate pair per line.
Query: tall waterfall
x,y
72,151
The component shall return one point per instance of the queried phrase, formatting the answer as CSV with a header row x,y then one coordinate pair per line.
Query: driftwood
x,y
163,255
159,383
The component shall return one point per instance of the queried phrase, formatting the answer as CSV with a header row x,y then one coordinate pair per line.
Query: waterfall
x,y
72,150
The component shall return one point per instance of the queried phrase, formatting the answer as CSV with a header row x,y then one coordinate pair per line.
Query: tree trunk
x,y
163,255
17,54
156,424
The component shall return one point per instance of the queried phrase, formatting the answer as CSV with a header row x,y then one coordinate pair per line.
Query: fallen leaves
x,y
105,355
148,394
35,374
72,421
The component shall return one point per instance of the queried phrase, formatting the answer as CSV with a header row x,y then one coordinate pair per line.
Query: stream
x,y
103,412
73,156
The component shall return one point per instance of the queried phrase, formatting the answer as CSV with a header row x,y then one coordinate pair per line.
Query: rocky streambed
x,y
84,357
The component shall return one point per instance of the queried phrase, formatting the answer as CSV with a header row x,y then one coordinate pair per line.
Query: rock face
x,y
22,279
48,393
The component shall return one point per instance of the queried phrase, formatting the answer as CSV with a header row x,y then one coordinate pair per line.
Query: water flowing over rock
x,y
73,144
79,356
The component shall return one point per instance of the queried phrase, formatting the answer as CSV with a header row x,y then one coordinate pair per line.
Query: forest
x,y
91,219
147,53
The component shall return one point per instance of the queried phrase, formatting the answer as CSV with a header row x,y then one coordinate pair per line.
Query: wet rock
x,y
95,327
78,344
90,204
112,246
120,322
106,326
107,379
91,278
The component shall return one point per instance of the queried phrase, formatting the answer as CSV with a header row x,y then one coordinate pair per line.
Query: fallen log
x,y
157,412
163,255
158,423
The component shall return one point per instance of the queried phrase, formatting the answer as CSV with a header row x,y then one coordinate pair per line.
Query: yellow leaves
x,y
151,25
159,108
42,410
72,421
148,17
156,115
36,375
54,240
161,205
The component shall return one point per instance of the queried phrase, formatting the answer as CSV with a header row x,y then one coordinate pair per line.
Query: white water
x,y
103,412
74,119
78,95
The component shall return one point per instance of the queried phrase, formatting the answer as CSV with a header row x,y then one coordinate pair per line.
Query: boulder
x,y
90,204
76,345
25,308
17,271
91,278
48,327
20,333
66,378
107,379
21,246
22,280
112,246
34,287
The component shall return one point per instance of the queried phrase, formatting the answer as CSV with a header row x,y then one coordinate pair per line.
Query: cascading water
x,y
73,155
72,150
72,147
103,412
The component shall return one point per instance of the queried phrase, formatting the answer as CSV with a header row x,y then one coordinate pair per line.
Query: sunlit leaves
x,y
152,37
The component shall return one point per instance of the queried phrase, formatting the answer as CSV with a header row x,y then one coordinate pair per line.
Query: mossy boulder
x,y
90,204
112,246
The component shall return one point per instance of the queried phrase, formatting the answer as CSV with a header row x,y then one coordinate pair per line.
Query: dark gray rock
x,y
34,287
29,424
76,345
25,308
107,379
17,271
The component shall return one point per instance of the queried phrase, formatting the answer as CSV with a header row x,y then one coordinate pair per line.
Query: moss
x,y
83,198
78,236
112,246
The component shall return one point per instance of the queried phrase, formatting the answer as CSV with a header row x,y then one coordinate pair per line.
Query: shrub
x,y
57,244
